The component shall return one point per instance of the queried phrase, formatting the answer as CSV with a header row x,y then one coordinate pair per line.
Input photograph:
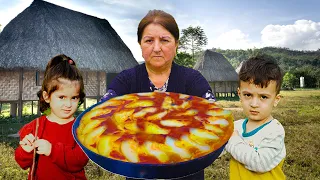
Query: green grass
x,y
5,110
298,111
27,110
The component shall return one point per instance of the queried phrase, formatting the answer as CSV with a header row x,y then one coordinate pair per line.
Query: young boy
x,y
257,144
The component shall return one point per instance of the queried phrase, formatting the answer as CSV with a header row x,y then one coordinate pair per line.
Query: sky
x,y
232,24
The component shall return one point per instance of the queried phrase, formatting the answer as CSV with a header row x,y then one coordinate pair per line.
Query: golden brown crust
x,y
155,128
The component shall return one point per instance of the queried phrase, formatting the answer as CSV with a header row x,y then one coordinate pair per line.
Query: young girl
x,y
47,146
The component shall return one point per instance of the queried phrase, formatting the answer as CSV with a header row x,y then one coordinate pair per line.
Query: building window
x,y
39,78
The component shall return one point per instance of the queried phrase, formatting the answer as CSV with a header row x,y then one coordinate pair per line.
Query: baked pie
x,y
155,128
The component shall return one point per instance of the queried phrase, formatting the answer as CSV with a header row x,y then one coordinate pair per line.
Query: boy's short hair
x,y
260,70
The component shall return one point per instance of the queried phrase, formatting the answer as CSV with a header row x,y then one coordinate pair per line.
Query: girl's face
x,y
64,101
158,46
258,102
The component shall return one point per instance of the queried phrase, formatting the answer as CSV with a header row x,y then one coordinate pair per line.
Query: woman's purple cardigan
x,y
181,80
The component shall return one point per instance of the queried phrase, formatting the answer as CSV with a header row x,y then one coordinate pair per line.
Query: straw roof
x,y
239,67
44,30
215,67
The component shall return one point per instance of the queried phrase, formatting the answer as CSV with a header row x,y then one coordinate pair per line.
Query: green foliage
x,y
298,63
192,40
184,59
311,76
288,80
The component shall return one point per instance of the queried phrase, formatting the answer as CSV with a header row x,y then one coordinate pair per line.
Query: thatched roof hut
x,y
220,74
44,30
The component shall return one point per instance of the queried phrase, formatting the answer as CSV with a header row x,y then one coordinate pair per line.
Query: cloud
x,y
234,39
128,34
10,12
302,35
141,4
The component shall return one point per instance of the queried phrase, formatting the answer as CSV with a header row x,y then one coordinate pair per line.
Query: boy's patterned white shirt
x,y
260,152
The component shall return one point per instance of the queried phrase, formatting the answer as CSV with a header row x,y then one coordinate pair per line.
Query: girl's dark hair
x,y
60,66
260,70
159,17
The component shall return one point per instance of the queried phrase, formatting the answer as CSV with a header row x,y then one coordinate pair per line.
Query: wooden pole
x,y
31,107
98,86
214,89
38,108
85,103
20,104
225,89
13,109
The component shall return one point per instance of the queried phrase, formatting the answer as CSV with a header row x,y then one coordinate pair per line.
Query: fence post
x,y
31,107
20,102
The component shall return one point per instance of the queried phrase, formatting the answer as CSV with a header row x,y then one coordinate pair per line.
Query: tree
x,y
184,59
316,74
288,80
193,39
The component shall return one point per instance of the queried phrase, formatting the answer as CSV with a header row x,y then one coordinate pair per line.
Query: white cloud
x,y
7,14
141,4
127,30
234,39
122,2
302,35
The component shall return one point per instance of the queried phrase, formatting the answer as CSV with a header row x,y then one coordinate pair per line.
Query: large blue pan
x,y
147,171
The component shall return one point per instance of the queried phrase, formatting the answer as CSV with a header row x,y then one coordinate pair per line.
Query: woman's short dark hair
x,y
159,17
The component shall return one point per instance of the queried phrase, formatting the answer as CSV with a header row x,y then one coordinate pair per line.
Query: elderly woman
x,y
158,36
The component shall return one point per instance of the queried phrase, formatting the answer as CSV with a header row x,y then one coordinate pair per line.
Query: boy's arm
x,y
23,158
68,158
265,158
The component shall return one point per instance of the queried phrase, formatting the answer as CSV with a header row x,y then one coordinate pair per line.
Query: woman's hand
x,y
43,146
27,143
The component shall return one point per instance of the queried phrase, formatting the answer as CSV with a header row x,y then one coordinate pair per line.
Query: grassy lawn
x,y
27,110
298,111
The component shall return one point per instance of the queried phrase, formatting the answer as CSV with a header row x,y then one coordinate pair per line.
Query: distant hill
x,y
298,63
287,58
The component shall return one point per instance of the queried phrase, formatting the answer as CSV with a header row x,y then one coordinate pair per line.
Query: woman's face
x,y
158,46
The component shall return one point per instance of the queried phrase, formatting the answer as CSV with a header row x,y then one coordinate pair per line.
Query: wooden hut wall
x,y
103,83
30,87
95,84
9,85
224,88
95,87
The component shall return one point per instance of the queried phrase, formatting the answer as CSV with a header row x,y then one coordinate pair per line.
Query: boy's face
x,y
258,102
